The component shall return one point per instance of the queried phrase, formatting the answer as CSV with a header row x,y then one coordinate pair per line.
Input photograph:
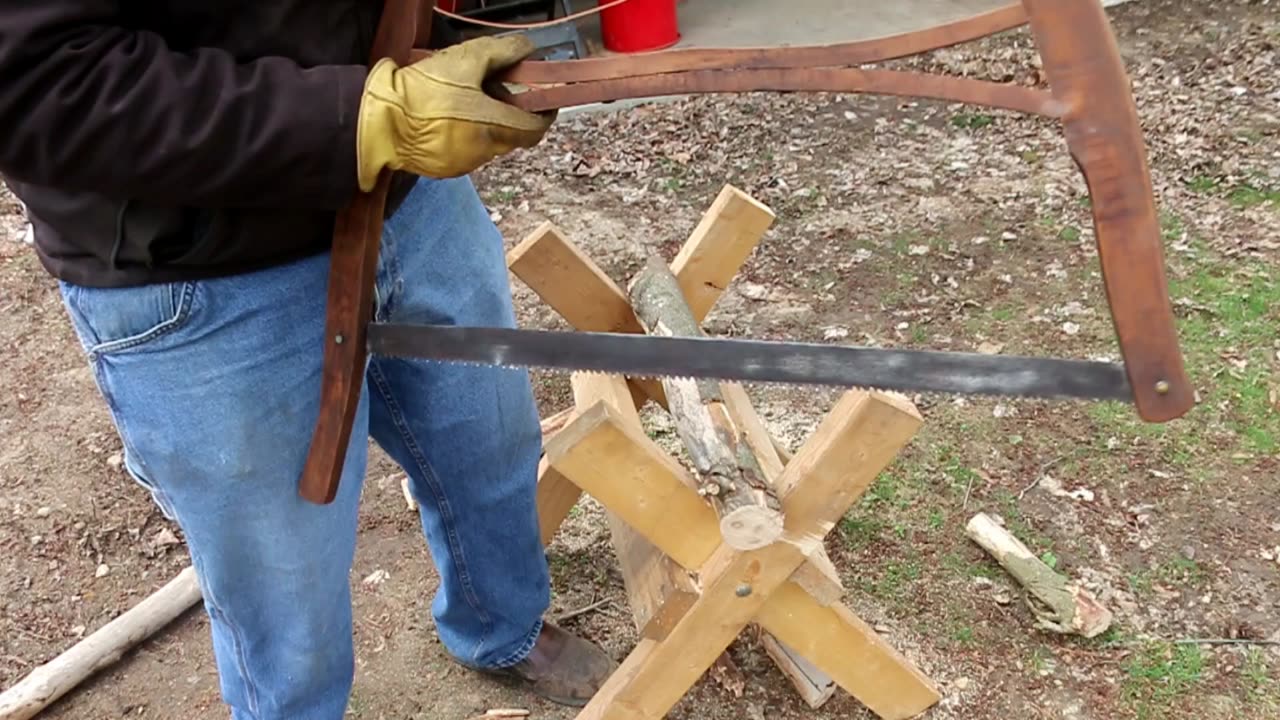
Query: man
x,y
182,163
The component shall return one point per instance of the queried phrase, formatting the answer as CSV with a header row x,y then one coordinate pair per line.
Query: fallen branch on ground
x,y
1058,604
48,682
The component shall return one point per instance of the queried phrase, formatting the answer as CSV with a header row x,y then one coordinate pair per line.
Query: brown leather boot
x,y
562,668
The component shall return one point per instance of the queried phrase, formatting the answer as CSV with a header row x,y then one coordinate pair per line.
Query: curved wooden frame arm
x,y
1089,93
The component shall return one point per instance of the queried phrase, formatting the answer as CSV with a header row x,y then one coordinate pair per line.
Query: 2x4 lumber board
x,y
770,451
819,575
555,495
575,287
659,590
854,442
722,241
559,273
634,478
848,650
569,282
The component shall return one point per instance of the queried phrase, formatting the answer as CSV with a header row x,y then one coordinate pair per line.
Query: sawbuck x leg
x,y
691,595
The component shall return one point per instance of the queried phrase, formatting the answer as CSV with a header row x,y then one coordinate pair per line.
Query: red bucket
x,y
639,25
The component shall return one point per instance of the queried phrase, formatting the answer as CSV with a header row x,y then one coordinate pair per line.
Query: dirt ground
x,y
903,223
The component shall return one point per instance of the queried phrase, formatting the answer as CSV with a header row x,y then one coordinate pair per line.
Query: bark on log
x,y
51,681
728,472
1058,604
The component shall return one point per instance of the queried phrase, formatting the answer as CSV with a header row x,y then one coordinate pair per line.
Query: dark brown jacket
x,y
154,140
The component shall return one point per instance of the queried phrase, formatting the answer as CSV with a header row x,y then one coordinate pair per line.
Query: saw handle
x,y
353,265
1087,75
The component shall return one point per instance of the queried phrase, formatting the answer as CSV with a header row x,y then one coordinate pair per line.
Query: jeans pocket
x,y
115,320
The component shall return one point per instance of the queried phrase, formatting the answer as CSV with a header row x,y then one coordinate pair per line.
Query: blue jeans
x,y
213,386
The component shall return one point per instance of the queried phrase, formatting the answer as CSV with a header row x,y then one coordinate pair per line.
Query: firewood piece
x,y
49,682
814,686
728,471
1059,605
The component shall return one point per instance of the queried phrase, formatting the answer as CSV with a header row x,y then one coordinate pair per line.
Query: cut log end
x,y
751,527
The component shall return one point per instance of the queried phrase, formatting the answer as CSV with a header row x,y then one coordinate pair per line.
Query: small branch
x,y
571,614
1226,641
503,714
48,682
1040,474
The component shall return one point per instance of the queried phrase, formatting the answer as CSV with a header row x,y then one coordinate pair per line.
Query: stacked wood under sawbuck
x,y
735,538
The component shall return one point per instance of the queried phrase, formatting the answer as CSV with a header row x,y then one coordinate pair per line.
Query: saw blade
x,y
756,361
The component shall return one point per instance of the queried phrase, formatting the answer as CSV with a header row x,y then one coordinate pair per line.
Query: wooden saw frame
x,y
1089,93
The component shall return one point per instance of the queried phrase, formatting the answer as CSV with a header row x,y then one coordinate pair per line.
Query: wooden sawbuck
x,y
697,569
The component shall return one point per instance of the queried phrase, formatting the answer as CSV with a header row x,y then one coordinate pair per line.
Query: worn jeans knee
x,y
468,437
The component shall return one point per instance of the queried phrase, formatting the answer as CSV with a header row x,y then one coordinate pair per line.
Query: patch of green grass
x,y
504,195
885,489
1174,572
972,121
965,569
961,476
857,532
936,519
1261,689
1157,674
1041,659
1048,558
962,634
1203,184
1240,313
1247,195
891,580
1242,195
1004,313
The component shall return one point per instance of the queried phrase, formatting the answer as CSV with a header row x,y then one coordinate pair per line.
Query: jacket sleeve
x,y
88,104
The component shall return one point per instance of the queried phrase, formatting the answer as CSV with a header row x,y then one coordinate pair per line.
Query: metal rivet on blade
x,y
1162,387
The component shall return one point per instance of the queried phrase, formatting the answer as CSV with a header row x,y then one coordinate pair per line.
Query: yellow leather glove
x,y
433,118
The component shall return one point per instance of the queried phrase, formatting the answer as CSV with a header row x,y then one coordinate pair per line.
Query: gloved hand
x,y
433,118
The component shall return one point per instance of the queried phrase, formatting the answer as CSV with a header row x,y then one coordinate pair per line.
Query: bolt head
x,y
743,590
